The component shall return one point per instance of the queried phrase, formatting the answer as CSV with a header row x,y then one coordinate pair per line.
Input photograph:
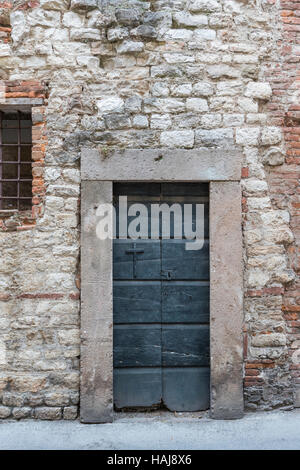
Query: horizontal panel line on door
x,y
159,368
157,239
163,279
175,324
157,282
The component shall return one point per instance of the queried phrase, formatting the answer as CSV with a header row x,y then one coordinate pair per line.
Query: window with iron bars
x,y
15,160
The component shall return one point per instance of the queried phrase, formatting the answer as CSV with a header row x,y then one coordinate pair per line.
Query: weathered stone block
x,y
220,20
205,5
185,19
12,399
211,121
160,121
204,35
19,26
128,17
5,412
233,120
247,136
270,135
214,138
37,17
57,399
70,412
133,104
218,71
110,104
85,34
255,186
183,139
229,87
273,157
117,121
140,121
117,34
5,16
145,31
196,104
248,105
269,340
260,90
83,4
203,89
177,58
159,19
73,20
59,5
5,50
22,413
169,105
183,90
48,413
69,337
179,34
129,47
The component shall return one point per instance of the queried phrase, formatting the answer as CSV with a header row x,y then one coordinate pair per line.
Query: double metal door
x,y
161,306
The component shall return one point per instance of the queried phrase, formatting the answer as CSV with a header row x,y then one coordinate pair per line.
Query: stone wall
x,y
137,74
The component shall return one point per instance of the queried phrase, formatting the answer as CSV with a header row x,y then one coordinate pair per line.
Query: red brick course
x,y
284,179
30,89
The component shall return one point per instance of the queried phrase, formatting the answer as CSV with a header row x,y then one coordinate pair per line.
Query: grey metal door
x,y
161,309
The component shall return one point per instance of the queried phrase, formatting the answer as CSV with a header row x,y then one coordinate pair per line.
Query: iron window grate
x,y
15,160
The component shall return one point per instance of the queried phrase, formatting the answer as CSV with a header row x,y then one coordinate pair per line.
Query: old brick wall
x,y
138,74
274,381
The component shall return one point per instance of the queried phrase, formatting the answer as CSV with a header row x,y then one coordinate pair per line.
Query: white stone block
x,y
73,20
19,26
110,104
160,89
183,18
196,104
160,121
260,90
117,34
182,139
271,135
248,105
205,5
203,89
55,4
140,121
129,47
183,90
204,35
178,34
247,136
177,58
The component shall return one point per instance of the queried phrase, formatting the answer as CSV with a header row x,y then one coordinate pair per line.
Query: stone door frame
x,y
222,169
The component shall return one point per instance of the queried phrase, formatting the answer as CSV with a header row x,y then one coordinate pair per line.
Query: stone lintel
x,y
200,164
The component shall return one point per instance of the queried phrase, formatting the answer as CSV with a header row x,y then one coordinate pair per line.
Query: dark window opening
x,y
15,160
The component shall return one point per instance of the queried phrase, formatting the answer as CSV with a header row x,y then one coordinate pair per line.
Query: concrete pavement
x,y
160,430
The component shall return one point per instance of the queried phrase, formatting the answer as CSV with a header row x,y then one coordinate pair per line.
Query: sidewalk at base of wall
x,y
159,430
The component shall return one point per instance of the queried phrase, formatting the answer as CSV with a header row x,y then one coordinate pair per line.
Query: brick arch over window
x,y
20,102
